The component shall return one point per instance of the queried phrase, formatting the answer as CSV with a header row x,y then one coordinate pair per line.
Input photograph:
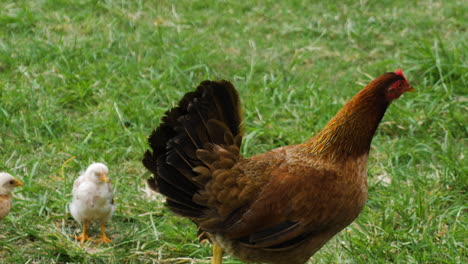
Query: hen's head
x,y
7,183
97,172
398,85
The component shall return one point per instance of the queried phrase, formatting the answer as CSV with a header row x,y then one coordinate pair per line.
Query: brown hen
x,y
277,207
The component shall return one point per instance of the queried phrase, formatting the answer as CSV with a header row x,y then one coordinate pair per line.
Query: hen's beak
x,y
104,178
18,183
411,89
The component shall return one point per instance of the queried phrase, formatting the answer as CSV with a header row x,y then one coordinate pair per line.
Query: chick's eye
x,y
12,182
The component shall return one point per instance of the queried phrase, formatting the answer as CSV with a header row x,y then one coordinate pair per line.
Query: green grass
x,y
90,79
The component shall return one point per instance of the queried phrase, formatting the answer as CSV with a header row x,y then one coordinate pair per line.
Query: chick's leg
x,y
84,236
103,238
217,254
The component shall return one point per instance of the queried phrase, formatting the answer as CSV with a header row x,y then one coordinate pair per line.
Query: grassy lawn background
x,y
88,80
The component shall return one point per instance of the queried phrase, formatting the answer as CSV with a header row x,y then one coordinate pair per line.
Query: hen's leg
x,y
84,236
217,254
103,238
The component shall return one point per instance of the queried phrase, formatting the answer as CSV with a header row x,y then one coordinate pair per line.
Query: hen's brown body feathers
x,y
277,207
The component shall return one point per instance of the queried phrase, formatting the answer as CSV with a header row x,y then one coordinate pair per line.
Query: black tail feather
x,y
174,194
209,115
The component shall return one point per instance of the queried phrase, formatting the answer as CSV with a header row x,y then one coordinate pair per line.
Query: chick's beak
x,y
104,178
18,183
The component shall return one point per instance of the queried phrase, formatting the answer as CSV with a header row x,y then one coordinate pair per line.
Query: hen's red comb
x,y
400,72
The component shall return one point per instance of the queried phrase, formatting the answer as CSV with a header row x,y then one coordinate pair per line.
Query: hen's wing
x,y
269,201
110,196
